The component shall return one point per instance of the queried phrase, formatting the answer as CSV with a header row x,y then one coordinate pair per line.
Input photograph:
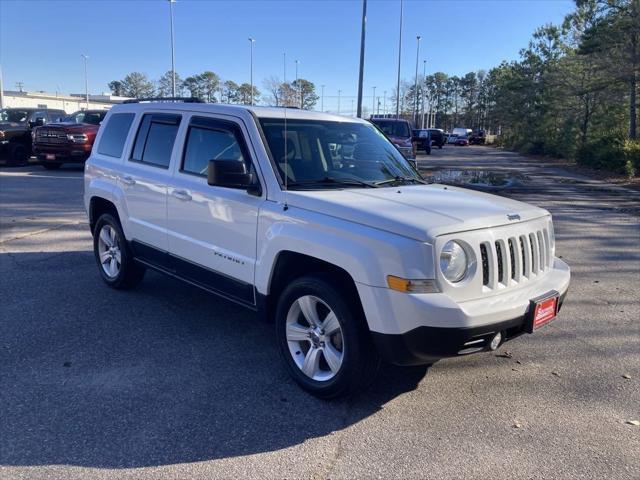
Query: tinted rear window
x,y
115,134
155,139
394,129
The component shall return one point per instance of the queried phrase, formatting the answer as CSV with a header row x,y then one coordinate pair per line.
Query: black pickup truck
x,y
16,125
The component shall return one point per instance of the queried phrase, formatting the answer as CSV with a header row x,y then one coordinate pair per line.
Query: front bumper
x,y
413,329
67,153
424,345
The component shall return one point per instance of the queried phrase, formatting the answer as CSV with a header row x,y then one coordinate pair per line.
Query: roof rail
x,y
165,99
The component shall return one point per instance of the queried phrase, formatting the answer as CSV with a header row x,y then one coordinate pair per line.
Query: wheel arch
x,y
290,265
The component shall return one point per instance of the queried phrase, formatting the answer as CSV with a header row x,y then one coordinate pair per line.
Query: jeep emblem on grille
x,y
513,216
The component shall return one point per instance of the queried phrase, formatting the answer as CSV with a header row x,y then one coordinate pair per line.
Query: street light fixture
x,y
86,79
252,41
415,88
173,52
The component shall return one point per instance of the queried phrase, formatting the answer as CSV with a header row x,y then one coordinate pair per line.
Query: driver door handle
x,y
181,195
127,180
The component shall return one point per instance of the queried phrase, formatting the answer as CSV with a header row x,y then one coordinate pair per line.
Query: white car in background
x,y
354,257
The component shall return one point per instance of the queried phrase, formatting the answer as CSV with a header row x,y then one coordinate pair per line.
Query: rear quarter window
x,y
115,134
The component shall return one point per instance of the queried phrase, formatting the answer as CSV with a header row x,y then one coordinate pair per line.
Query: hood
x,y
71,126
421,212
7,126
399,140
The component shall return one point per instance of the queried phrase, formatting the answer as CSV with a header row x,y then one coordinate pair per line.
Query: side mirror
x,y
231,174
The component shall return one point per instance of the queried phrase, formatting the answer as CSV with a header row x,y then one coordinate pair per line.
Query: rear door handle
x,y
181,195
127,180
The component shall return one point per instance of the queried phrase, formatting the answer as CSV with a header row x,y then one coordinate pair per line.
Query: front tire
x,y
323,338
115,261
18,155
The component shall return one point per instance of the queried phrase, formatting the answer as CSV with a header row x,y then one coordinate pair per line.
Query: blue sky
x,y
41,41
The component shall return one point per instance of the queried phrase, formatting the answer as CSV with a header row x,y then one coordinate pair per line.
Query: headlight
x,y
77,138
453,261
1,134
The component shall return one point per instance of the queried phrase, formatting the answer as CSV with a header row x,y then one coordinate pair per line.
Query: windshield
x,y
14,115
334,153
93,118
394,129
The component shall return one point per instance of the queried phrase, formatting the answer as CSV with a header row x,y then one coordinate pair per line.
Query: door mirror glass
x,y
228,173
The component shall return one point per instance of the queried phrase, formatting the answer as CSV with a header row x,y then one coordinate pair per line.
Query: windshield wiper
x,y
399,179
333,181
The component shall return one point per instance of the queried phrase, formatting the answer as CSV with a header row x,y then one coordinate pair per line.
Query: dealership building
x,y
69,103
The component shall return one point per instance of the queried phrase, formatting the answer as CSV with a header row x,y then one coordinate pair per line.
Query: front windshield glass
x,y
394,129
14,115
334,154
93,118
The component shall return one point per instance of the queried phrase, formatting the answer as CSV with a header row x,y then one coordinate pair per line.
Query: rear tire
x,y
51,166
115,260
324,339
18,155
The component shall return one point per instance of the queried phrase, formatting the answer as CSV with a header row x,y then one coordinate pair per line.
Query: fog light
x,y
495,341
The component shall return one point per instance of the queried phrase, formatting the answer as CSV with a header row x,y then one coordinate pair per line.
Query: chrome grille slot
x,y
512,258
534,253
543,253
526,259
485,264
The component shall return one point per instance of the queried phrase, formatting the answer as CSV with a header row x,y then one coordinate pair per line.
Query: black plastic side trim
x,y
205,278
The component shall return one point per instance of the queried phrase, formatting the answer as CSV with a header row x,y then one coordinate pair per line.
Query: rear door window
x,y
115,134
155,139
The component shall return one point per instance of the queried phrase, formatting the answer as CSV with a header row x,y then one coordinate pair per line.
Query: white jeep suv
x,y
319,224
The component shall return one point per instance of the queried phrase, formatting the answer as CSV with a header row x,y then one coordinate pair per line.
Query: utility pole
x,y
373,104
1,90
361,74
86,80
384,103
19,86
415,87
298,84
173,51
424,84
252,41
399,62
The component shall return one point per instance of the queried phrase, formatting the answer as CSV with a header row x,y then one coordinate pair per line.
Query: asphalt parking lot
x,y
169,382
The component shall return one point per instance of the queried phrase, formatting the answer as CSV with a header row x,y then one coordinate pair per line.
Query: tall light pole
x,y
339,92
298,84
252,41
424,85
415,87
384,103
86,80
1,90
322,99
361,74
399,58
173,51
373,104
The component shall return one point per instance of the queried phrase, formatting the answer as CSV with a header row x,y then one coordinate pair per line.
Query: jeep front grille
x,y
515,259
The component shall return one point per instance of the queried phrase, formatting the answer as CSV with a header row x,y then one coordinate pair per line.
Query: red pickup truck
x,y
69,141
